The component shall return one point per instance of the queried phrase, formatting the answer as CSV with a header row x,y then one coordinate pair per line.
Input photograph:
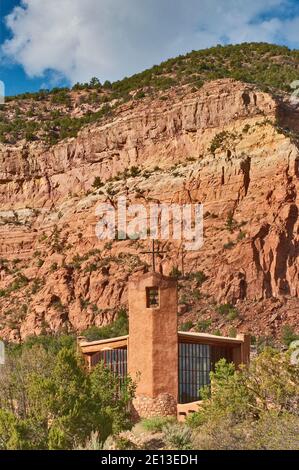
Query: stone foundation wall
x,y
146,407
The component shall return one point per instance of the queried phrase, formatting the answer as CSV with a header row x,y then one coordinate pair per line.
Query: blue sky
x,y
13,75
59,42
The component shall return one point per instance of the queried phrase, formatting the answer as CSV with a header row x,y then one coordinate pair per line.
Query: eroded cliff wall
x,y
221,146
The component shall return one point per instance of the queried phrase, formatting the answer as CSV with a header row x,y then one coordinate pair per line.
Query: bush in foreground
x,y
254,408
50,401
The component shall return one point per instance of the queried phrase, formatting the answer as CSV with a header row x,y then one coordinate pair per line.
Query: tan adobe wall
x,y
153,339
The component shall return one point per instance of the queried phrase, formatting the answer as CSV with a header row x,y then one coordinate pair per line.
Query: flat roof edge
x,y
209,336
103,341
185,334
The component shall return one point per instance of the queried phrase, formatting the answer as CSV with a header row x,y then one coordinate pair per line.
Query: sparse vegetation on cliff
x,y
120,327
289,334
228,311
97,184
45,115
157,151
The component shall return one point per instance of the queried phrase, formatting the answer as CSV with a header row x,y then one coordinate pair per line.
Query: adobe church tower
x,y
153,344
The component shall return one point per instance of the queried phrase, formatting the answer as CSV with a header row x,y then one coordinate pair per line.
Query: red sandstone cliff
x,y
55,275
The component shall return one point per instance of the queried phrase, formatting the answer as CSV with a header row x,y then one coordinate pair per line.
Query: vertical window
x,y
195,364
194,370
115,360
152,297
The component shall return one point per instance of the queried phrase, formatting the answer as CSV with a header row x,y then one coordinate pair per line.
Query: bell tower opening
x,y
152,297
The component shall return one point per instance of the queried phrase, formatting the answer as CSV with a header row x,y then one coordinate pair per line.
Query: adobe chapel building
x,y
168,366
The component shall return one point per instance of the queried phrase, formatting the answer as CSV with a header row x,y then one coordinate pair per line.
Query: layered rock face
x,y
221,146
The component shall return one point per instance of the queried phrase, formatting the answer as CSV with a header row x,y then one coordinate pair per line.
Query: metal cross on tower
x,y
154,253
183,255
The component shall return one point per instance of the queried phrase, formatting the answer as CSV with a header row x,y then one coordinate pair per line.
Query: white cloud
x,y
113,38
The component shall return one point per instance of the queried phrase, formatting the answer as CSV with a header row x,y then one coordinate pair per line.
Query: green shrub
x,y
156,423
84,303
95,83
246,129
93,442
264,342
270,383
134,171
61,97
229,245
228,310
232,333
218,141
230,222
54,267
217,333
51,344
232,314
97,184
196,294
224,309
184,299
203,325
177,436
241,235
123,443
107,84
250,408
50,401
19,282
288,335
175,273
36,285
272,431
139,95
199,277
186,326
120,327
91,268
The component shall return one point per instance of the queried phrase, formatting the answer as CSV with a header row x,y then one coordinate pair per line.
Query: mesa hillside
x,y
216,126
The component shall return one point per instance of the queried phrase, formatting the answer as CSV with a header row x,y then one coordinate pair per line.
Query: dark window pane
x,y
115,360
194,369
